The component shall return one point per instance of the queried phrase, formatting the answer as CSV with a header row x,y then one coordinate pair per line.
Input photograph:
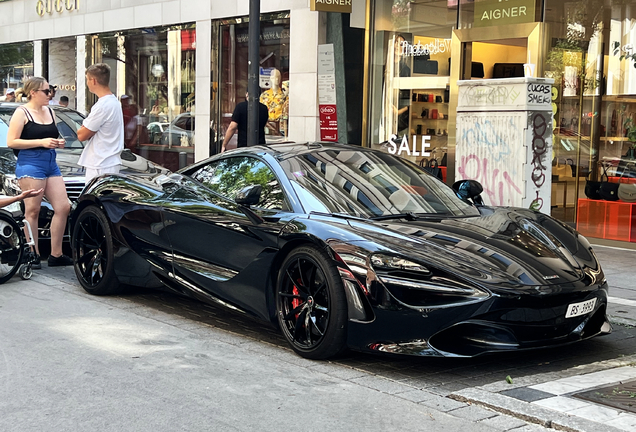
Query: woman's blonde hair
x,y
32,84
19,94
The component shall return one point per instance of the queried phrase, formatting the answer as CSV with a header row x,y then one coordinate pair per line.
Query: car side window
x,y
228,176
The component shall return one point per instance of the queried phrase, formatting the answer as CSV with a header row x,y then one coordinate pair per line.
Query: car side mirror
x,y
249,195
469,191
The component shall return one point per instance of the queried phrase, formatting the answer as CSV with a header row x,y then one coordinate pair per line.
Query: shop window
x,y
411,77
273,73
152,73
16,65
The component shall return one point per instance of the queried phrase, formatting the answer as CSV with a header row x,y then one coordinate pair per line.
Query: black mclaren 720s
x,y
344,247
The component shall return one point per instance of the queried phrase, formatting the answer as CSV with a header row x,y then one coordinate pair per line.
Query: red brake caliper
x,y
296,301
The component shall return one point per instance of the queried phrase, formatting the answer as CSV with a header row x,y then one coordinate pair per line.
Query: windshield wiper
x,y
339,215
409,216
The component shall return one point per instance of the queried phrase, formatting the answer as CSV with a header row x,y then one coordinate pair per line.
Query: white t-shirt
x,y
104,148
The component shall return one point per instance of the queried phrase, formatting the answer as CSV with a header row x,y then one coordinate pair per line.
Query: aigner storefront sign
x,y
342,6
49,6
502,12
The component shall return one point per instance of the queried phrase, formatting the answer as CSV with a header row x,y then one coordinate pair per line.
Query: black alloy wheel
x,y
311,304
93,253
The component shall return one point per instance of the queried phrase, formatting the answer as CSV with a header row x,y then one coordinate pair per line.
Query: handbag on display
x,y
432,167
627,191
593,187
444,161
563,171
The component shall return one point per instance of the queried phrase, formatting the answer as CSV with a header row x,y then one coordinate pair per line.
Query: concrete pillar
x,y
202,90
80,74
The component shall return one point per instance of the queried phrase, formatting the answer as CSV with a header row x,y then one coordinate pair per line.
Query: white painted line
x,y
621,301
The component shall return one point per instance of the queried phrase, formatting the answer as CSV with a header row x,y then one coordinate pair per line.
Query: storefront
x,y
178,67
420,50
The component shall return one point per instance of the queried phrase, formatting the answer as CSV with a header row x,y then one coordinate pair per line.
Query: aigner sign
x,y
501,12
50,6
342,6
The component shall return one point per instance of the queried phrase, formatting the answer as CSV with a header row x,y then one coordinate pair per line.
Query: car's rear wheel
x,y
311,304
93,253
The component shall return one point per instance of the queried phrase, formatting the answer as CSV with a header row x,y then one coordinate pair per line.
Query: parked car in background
x,y
180,132
68,123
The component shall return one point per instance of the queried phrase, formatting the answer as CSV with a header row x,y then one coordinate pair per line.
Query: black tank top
x,y
33,130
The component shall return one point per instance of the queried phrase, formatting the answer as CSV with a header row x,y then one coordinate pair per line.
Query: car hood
x,y
132,164
499,247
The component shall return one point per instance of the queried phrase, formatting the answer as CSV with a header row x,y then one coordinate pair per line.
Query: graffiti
x,y
498,185
499,95
493,135
537,203
539,93
539,148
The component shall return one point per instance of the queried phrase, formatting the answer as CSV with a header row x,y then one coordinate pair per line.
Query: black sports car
x,y
342,247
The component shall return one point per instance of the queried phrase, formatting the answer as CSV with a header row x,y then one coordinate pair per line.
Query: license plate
x,y
577,309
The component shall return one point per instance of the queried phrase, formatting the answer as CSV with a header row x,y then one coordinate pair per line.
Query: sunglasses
x,y
45,91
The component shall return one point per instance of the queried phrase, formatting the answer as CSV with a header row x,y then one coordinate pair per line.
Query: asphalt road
x,y
153,361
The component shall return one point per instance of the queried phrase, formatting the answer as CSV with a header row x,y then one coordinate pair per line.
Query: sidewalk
x,y
549,399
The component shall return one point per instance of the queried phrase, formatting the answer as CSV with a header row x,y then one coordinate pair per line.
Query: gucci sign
x,y
49,6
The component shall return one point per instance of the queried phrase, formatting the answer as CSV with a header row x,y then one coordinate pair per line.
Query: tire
x,y
93,253
26,271
311,305
12,243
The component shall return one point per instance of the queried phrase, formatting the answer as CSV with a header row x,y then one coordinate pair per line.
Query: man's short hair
x,y
64,99
101,73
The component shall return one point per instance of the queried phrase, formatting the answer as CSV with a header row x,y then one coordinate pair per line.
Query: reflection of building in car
x,y
180,132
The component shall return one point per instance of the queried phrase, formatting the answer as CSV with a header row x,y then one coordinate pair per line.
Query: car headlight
x,y
11,185
388,262
417,285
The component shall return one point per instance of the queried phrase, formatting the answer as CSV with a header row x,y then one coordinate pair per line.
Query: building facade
x,y
180,67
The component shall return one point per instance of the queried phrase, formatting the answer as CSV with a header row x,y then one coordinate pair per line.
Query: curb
x,y
530,413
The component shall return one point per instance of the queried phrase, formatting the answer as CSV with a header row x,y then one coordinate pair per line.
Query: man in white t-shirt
x,y
104,126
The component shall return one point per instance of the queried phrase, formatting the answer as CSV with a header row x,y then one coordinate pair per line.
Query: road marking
x,y
621,301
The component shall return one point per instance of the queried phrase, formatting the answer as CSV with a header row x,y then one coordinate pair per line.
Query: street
x,y
153,361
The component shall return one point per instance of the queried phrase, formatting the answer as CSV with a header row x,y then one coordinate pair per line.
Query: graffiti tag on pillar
x,y
539,147
49,6
537,203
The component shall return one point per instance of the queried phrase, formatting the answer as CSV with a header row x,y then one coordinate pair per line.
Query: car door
x,y
218,250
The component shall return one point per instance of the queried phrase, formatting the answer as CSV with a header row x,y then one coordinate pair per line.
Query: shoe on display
x,y
60,261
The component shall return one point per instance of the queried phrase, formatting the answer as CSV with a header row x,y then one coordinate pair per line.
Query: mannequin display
x,y
274,99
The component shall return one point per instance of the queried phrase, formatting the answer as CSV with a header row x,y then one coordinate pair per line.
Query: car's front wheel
x,y
93,253
311,304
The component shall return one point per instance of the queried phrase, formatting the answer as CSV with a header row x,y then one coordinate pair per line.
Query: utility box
x,y
504,140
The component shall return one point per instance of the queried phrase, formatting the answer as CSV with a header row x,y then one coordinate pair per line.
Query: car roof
x,y
283,151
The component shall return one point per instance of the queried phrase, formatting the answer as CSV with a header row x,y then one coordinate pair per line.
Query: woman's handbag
x,y
563,171
627,191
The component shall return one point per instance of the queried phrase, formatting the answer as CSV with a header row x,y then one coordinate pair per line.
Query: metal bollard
x,y
183,159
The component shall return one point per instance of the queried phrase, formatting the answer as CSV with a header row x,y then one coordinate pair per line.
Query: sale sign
x,y
327,94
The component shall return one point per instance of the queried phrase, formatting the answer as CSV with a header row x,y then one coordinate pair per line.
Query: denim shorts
x,y
37,164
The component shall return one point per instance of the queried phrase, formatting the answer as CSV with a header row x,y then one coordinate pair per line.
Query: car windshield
x,y
369,184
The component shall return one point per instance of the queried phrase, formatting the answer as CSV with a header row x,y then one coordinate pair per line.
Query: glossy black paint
x,y
507,275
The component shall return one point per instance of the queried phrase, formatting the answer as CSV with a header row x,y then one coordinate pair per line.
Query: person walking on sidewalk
x,y
34,137
239,123
103,128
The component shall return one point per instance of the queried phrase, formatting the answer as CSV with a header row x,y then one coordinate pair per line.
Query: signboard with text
x,y
342,6
327,94
502,12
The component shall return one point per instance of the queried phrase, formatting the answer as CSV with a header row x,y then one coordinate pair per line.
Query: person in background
x,y
64,101
52,95
239,123
104,126
34,134
9,95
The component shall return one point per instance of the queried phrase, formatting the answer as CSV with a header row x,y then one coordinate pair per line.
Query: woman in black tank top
x,y
33,135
